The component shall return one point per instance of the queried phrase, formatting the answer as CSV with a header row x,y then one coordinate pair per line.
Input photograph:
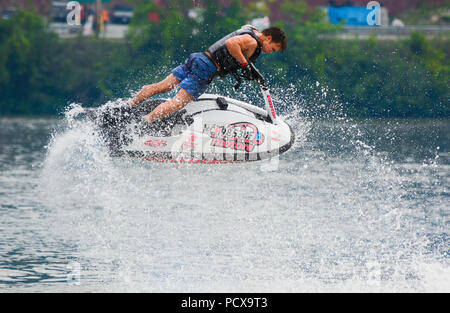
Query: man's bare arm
x,y
241,46
247,25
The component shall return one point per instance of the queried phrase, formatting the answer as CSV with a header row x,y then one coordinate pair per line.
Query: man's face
x,y
268,46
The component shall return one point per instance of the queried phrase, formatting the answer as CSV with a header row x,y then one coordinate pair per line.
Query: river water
x,y
355,205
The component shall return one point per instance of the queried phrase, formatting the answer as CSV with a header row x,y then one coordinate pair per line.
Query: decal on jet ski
x,y
238,136
272,109
276,135
156,143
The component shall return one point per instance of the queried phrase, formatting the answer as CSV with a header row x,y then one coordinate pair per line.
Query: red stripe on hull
x,y
191,161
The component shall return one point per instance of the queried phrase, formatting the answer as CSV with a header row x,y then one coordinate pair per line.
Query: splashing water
x,y
339,214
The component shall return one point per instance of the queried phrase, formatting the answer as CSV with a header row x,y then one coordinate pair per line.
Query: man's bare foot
x,y
148,119
132,102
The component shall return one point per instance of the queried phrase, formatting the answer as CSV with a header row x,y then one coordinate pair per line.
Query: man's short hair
x,y
278,36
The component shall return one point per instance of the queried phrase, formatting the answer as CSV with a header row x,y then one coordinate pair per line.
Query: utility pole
x,y
98,17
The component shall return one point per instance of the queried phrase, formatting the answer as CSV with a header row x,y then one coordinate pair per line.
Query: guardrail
x,y
64,30
111,31
392,32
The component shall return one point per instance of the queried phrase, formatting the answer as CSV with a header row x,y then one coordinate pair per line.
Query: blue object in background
x,y
352,16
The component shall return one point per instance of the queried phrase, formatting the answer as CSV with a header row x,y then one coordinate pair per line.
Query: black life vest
x,y
222,56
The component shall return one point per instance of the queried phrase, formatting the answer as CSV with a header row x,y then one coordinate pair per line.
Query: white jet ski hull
x,y
213,129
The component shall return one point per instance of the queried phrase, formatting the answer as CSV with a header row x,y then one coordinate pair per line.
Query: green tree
x,y
25,58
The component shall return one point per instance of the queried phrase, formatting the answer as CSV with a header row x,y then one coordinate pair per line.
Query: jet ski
x,y
212,129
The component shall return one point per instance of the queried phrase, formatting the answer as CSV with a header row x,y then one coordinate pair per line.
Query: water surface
x,y
355,205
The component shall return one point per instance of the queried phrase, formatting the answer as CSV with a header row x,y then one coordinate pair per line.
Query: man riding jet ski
x,y
226,56
201,128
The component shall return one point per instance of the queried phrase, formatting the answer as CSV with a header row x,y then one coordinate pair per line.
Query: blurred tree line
x,y
41,73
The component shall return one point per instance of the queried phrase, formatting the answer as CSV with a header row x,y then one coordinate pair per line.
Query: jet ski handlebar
x,y
265,90
258,77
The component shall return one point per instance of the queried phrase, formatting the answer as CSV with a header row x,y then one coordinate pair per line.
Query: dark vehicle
x,y
59,11
9,13
122,14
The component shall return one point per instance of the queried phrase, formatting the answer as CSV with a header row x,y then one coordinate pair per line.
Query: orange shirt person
x,y
105,16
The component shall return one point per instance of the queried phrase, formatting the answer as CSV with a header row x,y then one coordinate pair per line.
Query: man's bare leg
x,y
170,106
150,90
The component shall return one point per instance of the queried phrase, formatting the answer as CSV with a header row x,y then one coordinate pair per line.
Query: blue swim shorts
x,y
195,74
